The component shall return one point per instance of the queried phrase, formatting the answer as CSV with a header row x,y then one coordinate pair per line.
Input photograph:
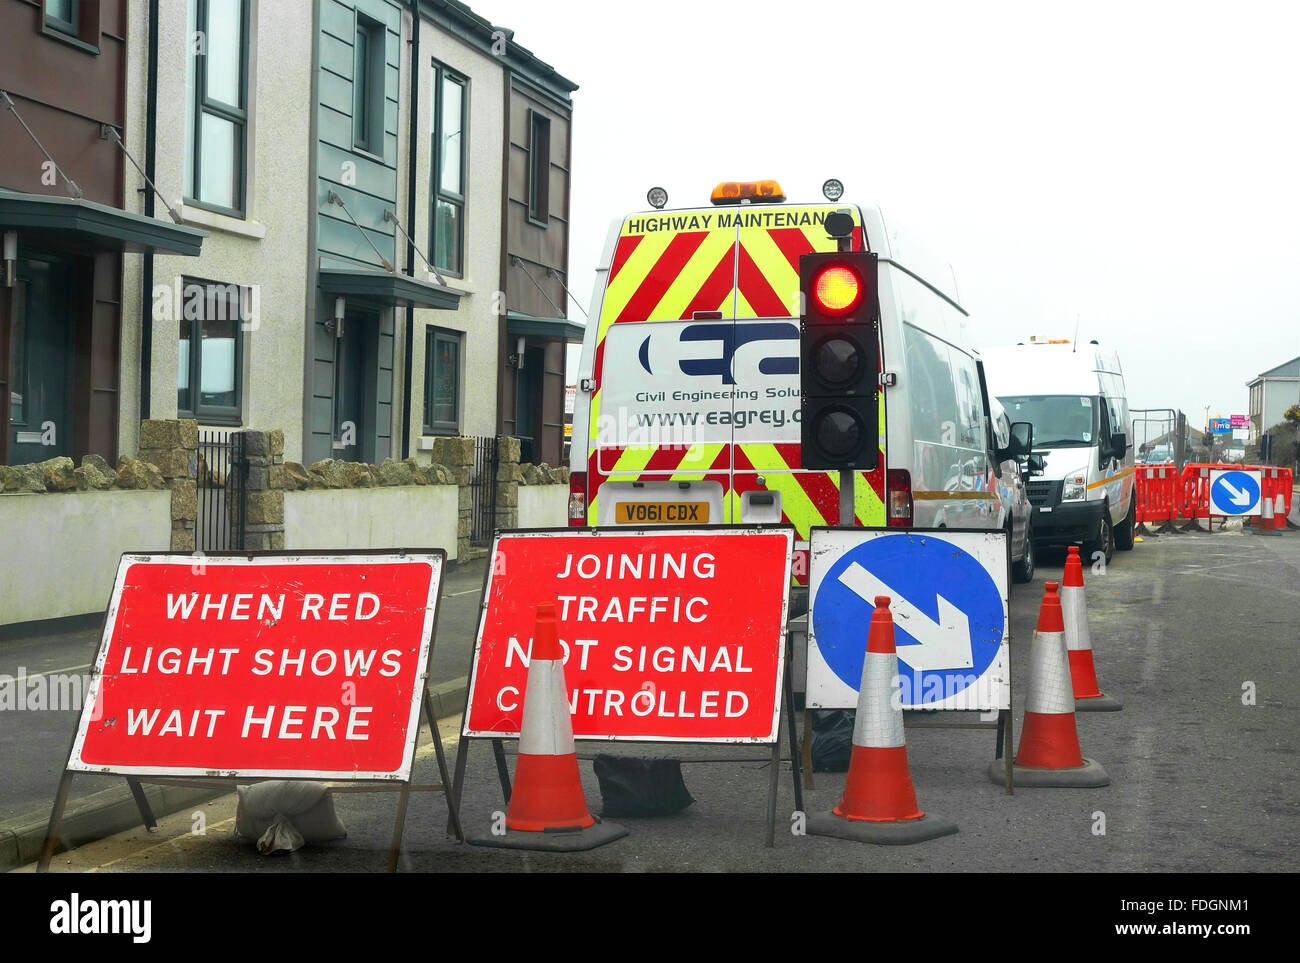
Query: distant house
x,y
1271,394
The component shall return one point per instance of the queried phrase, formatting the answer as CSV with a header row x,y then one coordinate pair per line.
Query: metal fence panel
x,y
222,492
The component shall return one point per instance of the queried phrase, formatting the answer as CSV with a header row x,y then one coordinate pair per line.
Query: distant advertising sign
x,y
1240,421
278,665
669,635
1220,426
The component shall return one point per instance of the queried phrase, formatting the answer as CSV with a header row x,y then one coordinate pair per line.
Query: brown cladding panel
x,y
44,68
541,245
95,165
552,443
63,93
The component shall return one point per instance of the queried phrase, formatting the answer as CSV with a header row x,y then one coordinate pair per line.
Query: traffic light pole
x,y
847,512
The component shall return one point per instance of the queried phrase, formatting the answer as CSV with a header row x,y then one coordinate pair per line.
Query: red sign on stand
x,y
669,634
289,666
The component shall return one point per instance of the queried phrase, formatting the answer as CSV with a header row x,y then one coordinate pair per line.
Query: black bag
x,y
640,787
832,739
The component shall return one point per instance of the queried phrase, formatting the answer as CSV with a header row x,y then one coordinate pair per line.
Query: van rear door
x,y
660,450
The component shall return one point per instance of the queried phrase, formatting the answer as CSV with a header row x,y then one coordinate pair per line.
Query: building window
x,y
216,111
539,167
368,87
211,362
63,16
441,382
448,160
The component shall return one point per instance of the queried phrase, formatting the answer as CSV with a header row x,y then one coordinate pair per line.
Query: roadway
x,y
1193,633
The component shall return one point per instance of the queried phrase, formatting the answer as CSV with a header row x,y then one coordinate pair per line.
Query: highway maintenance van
x,y
688,402
1075,397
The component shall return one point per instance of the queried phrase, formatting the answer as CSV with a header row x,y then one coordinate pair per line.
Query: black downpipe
x,y
407,363
146,274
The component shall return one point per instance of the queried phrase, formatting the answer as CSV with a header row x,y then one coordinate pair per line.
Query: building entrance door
x,y
41,361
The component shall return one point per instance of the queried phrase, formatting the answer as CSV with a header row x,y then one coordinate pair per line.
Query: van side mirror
x,y
1119,444
1022,439
1034,465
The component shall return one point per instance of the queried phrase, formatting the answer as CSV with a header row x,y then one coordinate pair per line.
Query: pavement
x,y
34,745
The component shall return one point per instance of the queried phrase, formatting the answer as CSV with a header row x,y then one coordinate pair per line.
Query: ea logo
x,y
731,341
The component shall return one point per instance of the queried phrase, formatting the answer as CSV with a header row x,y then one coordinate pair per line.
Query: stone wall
x,y
173,447
267,480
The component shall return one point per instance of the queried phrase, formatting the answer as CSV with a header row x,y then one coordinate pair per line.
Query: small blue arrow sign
x,y
948,612
1234,493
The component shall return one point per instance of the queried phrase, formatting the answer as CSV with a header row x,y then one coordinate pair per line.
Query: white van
x,y
688,406
1075,397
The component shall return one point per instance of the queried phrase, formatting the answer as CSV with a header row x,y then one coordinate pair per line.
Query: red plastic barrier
x,y
1157,493
1194,490
1194,487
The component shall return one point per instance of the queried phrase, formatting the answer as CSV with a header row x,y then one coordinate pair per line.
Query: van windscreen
x,y
1060,421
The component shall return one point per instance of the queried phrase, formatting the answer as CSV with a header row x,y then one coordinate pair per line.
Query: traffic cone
x,y
1266,524
547,810
879,803
1078,641
1279,511
1049,742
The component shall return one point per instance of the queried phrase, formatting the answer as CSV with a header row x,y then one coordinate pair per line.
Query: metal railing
x,y
222,492
483,485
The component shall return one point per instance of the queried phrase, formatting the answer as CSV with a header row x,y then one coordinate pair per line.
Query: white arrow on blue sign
x,y
947,594
1235,491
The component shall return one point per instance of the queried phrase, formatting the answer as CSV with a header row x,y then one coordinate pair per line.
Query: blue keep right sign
x,y
1234,492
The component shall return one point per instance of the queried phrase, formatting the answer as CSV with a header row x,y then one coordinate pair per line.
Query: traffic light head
x,y
839,360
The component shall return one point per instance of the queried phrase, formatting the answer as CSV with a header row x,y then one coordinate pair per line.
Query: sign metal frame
x,y
783,694
354,781
917,716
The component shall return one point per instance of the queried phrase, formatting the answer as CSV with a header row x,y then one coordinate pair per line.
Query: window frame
x,y
223,415
375,94
202,104
82,31
539,181
71,28
441,73
432,336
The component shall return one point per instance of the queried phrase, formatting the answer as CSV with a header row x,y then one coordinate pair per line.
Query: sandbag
x,y
284,815
832,739
640,787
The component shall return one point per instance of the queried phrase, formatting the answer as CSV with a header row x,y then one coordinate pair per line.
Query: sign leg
x,y
807,749
772,781
399,826
503,771
453,810
1009,722
458,784
793,729
56,816
142,803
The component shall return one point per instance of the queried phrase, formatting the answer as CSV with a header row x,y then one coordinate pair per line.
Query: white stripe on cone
x,y
546,729
1051,690
879,722
1074,612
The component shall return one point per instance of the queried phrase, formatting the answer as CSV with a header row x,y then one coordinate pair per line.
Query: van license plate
x,y
662,513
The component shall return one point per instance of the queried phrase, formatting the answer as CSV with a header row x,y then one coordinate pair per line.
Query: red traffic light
x,y
837,289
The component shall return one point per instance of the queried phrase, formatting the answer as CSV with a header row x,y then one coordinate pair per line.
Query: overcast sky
x,y
1132,167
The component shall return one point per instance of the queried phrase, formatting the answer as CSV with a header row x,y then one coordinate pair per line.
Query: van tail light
x,y
898,498
577,499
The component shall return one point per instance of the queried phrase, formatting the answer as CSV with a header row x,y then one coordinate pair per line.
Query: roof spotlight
x,y
657,197
833,189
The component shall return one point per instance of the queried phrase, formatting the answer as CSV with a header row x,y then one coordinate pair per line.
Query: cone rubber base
x,y
554,840
1088,776
900,833
1102,703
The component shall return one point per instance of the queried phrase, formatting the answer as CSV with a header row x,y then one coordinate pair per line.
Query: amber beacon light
x,y
756,192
